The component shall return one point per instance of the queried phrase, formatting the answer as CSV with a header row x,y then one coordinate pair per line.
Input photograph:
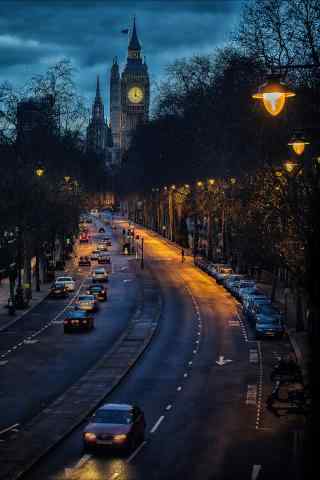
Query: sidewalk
x,y
299,340
5,319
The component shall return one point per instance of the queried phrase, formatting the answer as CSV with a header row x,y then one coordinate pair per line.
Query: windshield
x,y
86,298
113,416
64,279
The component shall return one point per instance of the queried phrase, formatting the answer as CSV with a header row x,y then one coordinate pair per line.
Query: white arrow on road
x,y
222,361
255,472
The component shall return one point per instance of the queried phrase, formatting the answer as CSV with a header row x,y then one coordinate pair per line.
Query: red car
x,y
115,425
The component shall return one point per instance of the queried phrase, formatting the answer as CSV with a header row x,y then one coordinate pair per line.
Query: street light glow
x,y
273,94
290,166
211,181
298,143
39,170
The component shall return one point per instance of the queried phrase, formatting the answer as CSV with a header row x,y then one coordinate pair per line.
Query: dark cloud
x,y
35,34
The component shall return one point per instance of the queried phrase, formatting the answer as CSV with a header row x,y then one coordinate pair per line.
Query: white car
x,y
87,303
69,283
99,274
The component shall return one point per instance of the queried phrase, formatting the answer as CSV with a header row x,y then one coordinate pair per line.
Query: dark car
x,y
253,302
58,290
77,320
115,425
84,262
99,291
101,230
104,259
268,321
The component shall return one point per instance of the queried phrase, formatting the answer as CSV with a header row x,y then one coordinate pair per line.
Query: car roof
x,y
116,406
76,313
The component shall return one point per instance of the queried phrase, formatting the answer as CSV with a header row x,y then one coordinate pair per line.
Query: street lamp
x,y
39,170
273,94
298,143
290,166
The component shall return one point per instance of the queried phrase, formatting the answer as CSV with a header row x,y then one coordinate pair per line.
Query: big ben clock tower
x,y
135,91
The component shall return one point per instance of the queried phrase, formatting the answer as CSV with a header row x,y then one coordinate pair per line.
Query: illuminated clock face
x,y
135,95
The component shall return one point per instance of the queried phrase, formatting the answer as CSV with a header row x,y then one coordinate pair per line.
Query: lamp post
x,y
39,171
19,297
142,253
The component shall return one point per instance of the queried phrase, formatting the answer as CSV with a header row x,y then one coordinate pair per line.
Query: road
x,y
202,384
38,358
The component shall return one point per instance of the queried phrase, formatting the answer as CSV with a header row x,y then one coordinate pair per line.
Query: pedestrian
x,y
182,255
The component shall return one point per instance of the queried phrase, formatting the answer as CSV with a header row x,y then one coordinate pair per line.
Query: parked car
x,y
99,291
87,302
115,425
242,285
68,282
84,262
223,273
253,302
99,274
245,293
58,290
101,230
268,321
84,237
231,280
77,320
102,247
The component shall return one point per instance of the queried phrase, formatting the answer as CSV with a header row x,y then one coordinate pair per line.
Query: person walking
x,y
182,255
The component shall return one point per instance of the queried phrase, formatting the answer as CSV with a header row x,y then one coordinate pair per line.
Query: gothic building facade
x,y
129,93
99,139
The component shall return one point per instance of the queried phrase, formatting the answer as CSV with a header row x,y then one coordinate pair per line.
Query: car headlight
x,y
122,437
90,437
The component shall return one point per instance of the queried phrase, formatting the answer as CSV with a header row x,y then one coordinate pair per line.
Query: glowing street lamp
x,y
233,180
199,183
290,166
298,143
273,94
67,178
40,170
211,181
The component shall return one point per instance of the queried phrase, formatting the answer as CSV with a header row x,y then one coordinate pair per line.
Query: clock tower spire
x,y
135,90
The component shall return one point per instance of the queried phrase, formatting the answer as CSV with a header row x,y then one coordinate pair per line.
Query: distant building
x,y
99,138
129,94
37,116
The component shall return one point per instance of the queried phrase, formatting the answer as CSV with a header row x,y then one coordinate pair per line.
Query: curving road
x,y
206,420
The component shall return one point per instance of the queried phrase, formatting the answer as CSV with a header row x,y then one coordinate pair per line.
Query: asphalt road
x,y
41,362
205,420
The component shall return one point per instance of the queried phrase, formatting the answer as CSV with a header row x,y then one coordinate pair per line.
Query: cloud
x,y
37,32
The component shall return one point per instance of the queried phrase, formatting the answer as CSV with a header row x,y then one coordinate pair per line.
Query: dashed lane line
x,y
135,453
157,424
8,429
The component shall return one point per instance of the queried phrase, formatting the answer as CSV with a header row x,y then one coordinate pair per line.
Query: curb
x,y
146,342
298,354
14,320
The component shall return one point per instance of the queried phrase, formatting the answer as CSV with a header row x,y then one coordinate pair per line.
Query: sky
x,y
35,34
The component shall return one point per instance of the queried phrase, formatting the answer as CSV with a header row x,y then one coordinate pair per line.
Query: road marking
x,y
195,351
221,362
168,407
234,323
253,356
82,461
255,472
5,430
115,475
185,375
260,383
28,341
156,425
136,452
190,363
179,388
251,395
3,363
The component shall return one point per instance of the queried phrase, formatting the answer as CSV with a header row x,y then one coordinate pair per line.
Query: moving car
x,y
84,262
84,237
102,247
104,259
68,282
99,291
77,320
115,425
87,303
99,274
58,290
94,255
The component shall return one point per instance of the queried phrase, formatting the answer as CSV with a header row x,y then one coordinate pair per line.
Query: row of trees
x,y
46,174
206,125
